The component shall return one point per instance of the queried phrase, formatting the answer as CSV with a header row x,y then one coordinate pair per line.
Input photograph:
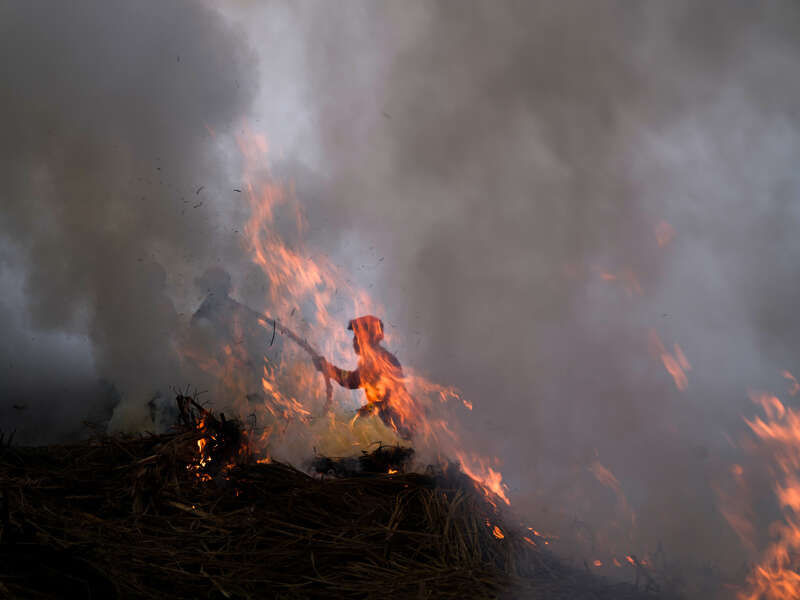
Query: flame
x,y
203,458
795,386
490,481
315,298
496,531
675,363
777,576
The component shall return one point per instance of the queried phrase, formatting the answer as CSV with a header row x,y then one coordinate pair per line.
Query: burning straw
x,y
129,517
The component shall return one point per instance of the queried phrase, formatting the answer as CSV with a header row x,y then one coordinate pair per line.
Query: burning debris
x,y
221,442
143,517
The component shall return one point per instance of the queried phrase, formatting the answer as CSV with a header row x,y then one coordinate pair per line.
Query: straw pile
x,y
123,517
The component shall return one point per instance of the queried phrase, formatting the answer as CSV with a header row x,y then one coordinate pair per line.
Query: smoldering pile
x,y
140,517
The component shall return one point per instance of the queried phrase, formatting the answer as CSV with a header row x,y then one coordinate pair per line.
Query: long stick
x,y
303,343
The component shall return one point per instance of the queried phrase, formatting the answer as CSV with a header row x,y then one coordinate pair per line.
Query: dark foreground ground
x,y
124,518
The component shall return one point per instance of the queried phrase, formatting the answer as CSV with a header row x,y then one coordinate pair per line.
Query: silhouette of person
x,y
228,340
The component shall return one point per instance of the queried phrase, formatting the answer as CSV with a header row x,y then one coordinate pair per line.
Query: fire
x,y
203,459
795,386
496,531
777,576
309,301
675,363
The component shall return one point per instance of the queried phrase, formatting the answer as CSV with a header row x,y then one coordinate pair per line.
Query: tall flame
x,y
674,362
777,576
313,297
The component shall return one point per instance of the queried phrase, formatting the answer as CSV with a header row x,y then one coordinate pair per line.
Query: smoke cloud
x,y
502,157
109,111
477,166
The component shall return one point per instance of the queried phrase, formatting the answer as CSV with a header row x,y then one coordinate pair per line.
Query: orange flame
x,y
313,297
675,363
777,576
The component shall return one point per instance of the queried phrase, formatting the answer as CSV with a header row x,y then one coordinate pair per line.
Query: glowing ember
x,y
496,531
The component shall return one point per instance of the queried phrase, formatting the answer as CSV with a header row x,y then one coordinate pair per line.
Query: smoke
x,y
477,166
501,156
109,110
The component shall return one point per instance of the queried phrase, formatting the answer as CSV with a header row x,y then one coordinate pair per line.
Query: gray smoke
x,y
108,112
490,150
478,165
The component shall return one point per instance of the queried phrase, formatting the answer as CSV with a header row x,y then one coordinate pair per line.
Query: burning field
x,y
299,492
191,515
424,299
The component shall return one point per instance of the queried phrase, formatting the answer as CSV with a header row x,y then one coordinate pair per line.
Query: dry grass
x,y
123,517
